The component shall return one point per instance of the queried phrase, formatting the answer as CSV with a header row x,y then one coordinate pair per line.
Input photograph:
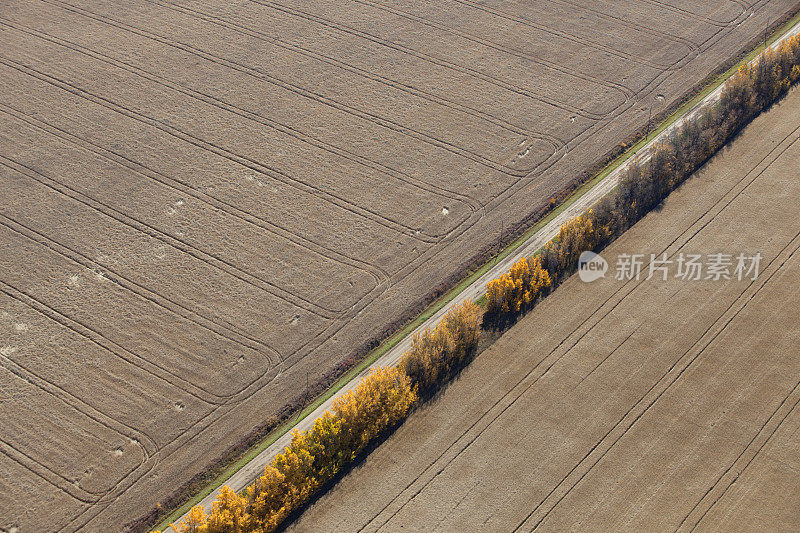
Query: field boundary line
x,y
241,473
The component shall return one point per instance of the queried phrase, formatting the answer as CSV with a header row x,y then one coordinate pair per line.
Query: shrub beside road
x,y
387,395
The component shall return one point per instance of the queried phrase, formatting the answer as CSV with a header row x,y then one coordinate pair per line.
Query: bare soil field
x,y
624,405
203,203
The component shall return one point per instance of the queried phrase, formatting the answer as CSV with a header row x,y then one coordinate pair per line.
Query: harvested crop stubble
x,y
380,401
625,405
750,90
203,204
314,458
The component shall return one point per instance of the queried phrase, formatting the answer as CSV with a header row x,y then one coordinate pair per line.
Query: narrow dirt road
x,y
625,405
249,472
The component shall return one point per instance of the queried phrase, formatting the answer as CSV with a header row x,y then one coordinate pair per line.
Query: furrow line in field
x,y
473,204
176,242
241,160
300,91
674,373
138,437
550,360
694,16
627,91
748,453
436,98
694,47
331,60
159,300
52,478
244,476
157,371
443,63
589,43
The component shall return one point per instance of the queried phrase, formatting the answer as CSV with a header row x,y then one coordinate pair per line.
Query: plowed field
x,y
205,202
644,405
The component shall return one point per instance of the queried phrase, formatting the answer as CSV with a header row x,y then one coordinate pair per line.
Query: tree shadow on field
x,y
356,464
426,400
490,332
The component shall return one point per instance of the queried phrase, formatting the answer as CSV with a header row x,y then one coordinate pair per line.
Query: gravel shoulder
x,y
616,405
205,203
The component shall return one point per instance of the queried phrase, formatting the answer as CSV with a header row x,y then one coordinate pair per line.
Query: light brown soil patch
x,y
203,201
624,406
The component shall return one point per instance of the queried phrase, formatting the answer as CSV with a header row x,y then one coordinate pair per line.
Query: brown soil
x,y
205,201
624,406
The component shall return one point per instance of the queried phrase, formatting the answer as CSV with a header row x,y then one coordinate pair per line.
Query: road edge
x,y
701,92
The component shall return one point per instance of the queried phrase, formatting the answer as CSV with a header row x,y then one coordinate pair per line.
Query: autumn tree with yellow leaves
x,y
516,291
314,457
436,354
379,402
581,233
385,397
643,186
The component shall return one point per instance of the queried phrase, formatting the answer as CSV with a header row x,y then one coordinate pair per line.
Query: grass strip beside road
x,y
443,300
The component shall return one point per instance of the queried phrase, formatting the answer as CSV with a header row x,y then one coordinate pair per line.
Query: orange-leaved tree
x,y
516,291
381,400
435,354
